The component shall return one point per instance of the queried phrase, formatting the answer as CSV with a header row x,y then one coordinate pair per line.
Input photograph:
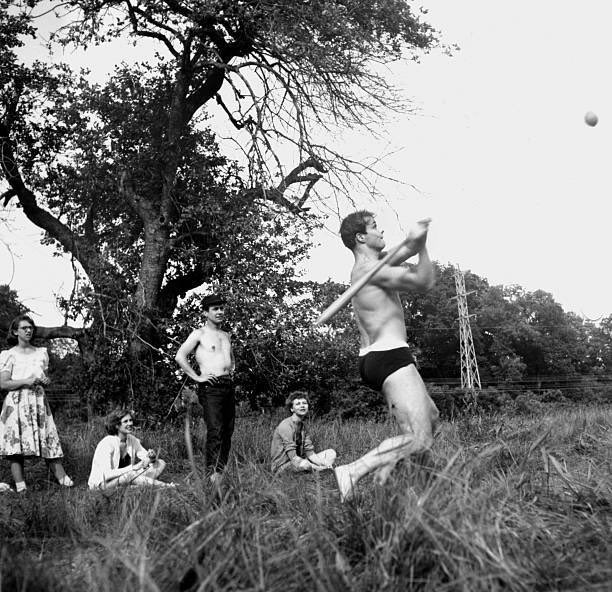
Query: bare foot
x,y
344,482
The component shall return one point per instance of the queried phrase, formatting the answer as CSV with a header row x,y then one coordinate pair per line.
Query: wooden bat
x,y
342,300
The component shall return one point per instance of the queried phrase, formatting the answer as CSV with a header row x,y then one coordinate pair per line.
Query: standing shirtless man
x,y
385,361
215,359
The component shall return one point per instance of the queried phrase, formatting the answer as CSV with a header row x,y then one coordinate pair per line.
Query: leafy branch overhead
x,y
281,70
128,176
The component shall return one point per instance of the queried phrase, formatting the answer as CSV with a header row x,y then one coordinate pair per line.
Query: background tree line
x,y
529,349
129,178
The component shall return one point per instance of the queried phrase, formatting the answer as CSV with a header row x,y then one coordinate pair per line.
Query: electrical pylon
x,y
470,377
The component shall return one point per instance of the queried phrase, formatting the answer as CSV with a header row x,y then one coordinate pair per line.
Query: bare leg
x,y
17,468
58,470
382,473
155,469
150,482
417,417
132,479
139,478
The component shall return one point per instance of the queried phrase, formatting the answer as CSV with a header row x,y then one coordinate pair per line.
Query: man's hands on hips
x,y
208,378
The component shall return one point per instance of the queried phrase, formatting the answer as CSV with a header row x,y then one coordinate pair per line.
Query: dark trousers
x,y
219,414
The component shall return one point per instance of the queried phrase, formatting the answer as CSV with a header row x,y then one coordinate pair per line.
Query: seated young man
x,y
292,447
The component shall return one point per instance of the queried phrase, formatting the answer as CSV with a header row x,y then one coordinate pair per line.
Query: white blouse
x,y
22,364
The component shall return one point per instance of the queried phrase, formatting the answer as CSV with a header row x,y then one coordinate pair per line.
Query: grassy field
x,y
510,503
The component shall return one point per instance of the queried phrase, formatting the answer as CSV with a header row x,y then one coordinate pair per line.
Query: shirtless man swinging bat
x,y
385,361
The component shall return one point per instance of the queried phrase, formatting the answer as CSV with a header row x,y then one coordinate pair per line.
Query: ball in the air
x,y
591,119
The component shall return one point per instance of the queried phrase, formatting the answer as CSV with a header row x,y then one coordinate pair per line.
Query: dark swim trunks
x,y
375,366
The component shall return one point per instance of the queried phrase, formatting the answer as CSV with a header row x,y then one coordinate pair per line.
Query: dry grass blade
x,y
567,479
464,527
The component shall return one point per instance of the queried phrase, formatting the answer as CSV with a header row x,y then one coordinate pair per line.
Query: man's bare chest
x,y
213,343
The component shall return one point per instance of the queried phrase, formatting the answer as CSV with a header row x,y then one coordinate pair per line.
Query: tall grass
x,y
504,504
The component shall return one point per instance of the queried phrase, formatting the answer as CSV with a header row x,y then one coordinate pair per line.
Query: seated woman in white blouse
x,y
120,458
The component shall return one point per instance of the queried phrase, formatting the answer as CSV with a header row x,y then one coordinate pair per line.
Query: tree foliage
x,y
126,178
10,307
280,70
524,341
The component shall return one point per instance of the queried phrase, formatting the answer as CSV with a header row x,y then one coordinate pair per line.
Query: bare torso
x,y
214,352
379,312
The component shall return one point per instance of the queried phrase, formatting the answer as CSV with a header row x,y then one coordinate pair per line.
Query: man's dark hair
x,y
296,395
352,224
113,420
11,338
211,300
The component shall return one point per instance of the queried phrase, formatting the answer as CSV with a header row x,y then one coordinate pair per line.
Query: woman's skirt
x,y
26,425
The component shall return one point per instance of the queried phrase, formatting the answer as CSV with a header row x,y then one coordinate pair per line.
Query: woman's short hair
x,y
293,395
113,420
11,338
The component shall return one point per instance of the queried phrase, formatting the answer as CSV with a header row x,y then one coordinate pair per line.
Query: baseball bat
x,y
345,298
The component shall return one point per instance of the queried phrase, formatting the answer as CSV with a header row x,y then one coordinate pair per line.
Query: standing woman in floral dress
x,y
26,424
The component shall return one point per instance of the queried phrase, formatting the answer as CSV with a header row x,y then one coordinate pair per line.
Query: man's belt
x,y
224,380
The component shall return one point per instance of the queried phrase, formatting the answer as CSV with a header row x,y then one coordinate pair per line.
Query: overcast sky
x,y
499,156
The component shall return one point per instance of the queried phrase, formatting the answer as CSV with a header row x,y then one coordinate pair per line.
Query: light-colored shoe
x,y
5,487
217,482
216,478
66,481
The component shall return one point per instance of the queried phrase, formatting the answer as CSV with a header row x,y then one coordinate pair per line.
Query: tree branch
x,y
42,218
62,332
237,124
7,196
126,189
71,242
178,287
132,11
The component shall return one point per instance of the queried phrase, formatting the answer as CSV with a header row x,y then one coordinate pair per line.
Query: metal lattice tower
x,y
470,377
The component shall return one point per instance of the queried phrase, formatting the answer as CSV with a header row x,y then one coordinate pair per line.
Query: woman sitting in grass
x,y
120,458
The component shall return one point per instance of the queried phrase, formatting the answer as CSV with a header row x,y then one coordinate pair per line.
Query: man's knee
x,y
417,438
213,433
330,455
302,465
426,440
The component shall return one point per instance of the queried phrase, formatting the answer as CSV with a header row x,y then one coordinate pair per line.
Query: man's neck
x,y
297,418
365,254
211,325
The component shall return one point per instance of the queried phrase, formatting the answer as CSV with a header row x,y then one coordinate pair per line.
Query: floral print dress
x,y
26,424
